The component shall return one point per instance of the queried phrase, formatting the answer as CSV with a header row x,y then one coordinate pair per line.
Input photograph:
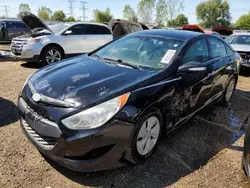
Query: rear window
x,y
238,39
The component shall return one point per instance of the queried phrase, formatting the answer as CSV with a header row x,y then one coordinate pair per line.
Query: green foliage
x,y
243,22
180,20
102,16
44,13
129,14
58,16
70,19
213,13
24,7
146,11
161,12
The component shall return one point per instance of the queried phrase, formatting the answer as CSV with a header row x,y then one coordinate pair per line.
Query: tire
x,y
53,52
230,88
151,119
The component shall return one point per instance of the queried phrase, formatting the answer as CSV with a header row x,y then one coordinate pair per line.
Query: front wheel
x,y
51,55
146,136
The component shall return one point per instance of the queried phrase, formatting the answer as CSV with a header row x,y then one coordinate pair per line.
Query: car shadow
x,y
180,153
245,71
31,65
8,112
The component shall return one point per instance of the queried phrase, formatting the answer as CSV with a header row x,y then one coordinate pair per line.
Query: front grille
x,y
17,46
45,142
245,56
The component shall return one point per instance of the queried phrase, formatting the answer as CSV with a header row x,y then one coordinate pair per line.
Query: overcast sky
x,y
237,7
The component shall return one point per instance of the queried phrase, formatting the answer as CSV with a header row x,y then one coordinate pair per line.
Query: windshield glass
x,y
238,39
147,51
58,27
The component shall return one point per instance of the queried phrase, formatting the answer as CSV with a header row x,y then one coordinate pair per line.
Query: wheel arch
x,y
50,45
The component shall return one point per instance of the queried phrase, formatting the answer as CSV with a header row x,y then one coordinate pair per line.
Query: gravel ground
x,y
205,152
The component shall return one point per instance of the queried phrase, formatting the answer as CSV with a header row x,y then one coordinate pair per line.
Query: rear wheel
x,y
51,54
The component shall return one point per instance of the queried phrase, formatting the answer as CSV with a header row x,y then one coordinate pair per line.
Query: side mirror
x,y
68,32
192,67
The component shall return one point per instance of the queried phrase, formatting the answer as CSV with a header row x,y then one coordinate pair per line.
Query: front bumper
x,y
91,150
26,52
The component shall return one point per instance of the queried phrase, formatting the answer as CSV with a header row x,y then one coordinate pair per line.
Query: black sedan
x,y
99,110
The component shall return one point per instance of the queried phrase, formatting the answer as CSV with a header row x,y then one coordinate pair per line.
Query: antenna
x,y
83,10
6,10
71,8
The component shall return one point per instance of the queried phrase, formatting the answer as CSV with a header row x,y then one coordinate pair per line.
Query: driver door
x,y
194,89
75,42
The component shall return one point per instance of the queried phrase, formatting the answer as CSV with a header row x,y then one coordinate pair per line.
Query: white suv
x,y
51,44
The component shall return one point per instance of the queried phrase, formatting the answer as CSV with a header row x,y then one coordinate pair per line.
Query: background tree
x,y
24,7
180,20
243,22
58,16
44,13
70,19
102,16
146,10
161,12
174,7
129,14
213,13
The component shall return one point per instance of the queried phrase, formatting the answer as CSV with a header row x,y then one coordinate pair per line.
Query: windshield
x,y
146,51
238,39
58,27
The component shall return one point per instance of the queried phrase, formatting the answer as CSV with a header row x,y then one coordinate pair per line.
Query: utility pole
x,y
6,10
71,8
83,10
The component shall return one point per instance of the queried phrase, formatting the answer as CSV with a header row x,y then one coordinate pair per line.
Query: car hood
x,y
84,80
241,47
31,21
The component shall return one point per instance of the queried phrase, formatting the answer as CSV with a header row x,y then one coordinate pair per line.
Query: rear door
x,y
96,36
221,62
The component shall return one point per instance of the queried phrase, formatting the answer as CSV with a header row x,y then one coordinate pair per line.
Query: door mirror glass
x,y
68,32
192,67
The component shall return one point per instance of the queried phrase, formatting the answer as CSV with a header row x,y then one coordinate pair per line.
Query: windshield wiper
x,y
122,62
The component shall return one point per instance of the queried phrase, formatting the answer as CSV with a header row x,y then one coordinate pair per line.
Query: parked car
x,y
197,28
223,31
101,109
246,152
53,43
13,28
241,43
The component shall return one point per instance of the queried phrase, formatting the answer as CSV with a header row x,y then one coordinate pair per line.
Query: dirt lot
x,y
206,152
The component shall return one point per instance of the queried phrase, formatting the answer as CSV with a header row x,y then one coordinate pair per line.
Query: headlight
x,y
97,115
33,41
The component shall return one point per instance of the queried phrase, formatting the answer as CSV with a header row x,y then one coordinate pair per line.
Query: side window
x,y
198,52
229,50
78,29
217,48
97,30
10,25
20,25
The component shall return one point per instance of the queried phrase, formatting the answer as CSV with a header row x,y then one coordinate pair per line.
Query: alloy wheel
x,y
148,135
53,56
230,90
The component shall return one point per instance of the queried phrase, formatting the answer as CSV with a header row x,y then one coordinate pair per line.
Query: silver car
x,y
241,43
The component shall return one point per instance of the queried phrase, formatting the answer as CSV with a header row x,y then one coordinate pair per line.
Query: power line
x,y
71,8
83,10
6,10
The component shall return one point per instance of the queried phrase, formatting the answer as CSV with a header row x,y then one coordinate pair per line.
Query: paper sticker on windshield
x,y
168,56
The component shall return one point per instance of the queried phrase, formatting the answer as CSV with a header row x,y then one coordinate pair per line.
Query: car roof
x,y
241,33
178,34
92,23
10,20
